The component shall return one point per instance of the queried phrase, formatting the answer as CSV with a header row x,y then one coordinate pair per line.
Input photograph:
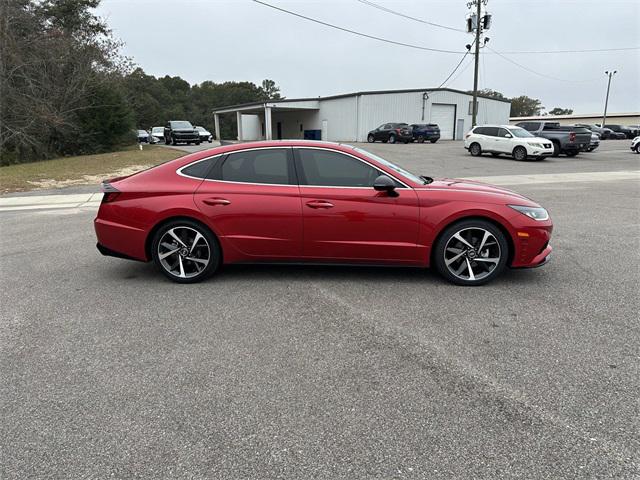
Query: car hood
x,y
184,130
478,191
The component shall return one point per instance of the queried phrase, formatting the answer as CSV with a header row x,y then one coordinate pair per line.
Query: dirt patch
x,y
50,183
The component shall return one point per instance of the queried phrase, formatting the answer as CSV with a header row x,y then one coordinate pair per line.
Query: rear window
x,y
199,169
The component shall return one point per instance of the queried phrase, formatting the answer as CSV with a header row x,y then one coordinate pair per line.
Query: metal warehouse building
x,y
351,116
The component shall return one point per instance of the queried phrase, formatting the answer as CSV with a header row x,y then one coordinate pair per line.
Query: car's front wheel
x,y
420,138
185,251
520,153
471,252
371,138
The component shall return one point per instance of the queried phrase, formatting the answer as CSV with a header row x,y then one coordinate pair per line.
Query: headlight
x,y
536,145
537,213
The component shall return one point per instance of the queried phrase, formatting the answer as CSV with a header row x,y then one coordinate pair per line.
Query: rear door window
x,y
268,166
491,131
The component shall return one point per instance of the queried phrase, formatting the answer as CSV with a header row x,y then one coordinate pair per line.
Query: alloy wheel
x,y
184,252
472,254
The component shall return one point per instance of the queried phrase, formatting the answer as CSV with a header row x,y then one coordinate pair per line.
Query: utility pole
x,y
476,23
606,101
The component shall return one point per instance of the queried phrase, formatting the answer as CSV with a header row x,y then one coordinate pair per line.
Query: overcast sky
x,y
240,40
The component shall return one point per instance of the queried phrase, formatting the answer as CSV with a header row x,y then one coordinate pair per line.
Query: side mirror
x,y
507,135
385,184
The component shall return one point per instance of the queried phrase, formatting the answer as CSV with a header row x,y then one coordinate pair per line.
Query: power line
x,y
456,68
393,12
373,37
536,72
525,52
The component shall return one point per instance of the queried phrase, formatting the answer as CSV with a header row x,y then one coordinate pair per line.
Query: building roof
x,y
354,94
574,116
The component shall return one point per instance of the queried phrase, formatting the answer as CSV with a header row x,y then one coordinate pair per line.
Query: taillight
x,y
398,130
110,196
572,136
110,192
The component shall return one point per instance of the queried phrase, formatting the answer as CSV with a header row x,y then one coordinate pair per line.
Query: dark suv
x,y
177,131
422,132
620,129
392,133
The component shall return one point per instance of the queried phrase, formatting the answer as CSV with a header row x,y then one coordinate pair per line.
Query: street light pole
x,y
475,71
606,101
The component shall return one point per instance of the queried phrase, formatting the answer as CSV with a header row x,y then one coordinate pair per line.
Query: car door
x,y
383,133
344,218
253,200
503,141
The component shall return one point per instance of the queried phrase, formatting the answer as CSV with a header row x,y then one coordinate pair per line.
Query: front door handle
x,y
216,201
319,204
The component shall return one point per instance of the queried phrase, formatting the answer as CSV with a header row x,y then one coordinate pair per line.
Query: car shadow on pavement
x,y
375,274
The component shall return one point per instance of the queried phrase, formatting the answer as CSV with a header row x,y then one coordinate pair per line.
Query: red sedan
x,y
302,201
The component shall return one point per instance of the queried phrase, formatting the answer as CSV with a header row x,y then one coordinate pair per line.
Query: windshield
x,y
394,167
157,130
181,125
520,132
142,132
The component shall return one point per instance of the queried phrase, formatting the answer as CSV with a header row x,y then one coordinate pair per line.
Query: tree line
x,y
65,89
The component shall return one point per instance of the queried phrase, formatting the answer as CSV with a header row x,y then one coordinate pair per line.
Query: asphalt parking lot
x,y
109,370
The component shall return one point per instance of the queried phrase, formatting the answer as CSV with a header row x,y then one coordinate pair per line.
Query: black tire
x,y
198,143
188,143
174,141
215,253
556,149
210,141
495,154
572,153
371,138
519,154
405,141
385,141
392,139
433,141
167,141
638,148
420,139
471,225
475,149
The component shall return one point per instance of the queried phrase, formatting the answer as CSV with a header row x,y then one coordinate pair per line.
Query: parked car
x,y
392,133
603,132
617,135
621,129
635,130
635,144
428,131
143,136
158,133
506,139
357,208
595,142
205,135
180,131
565,138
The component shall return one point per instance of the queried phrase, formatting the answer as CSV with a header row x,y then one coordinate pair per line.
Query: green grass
x,y
82,170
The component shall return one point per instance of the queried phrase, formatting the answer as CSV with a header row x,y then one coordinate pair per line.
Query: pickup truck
x,y
565,138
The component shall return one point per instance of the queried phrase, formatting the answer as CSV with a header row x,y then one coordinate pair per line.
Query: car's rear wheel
x,y
392,139
475,149
638,148
198,143
185,251
371,139
520,153
471,252
556,149
420,139
571,153
433,141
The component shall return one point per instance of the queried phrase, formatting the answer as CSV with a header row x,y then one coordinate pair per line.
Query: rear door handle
x,y
319,204
216,201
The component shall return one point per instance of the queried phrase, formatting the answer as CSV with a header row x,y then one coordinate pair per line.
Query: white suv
x,y
509,139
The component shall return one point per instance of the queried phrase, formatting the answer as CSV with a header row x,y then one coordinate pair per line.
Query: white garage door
x,y
444,116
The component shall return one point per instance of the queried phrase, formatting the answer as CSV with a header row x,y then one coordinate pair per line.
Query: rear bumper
x,y
118,240
107,252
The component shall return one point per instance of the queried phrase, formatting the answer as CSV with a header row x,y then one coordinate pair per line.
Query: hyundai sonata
x,y
316,202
